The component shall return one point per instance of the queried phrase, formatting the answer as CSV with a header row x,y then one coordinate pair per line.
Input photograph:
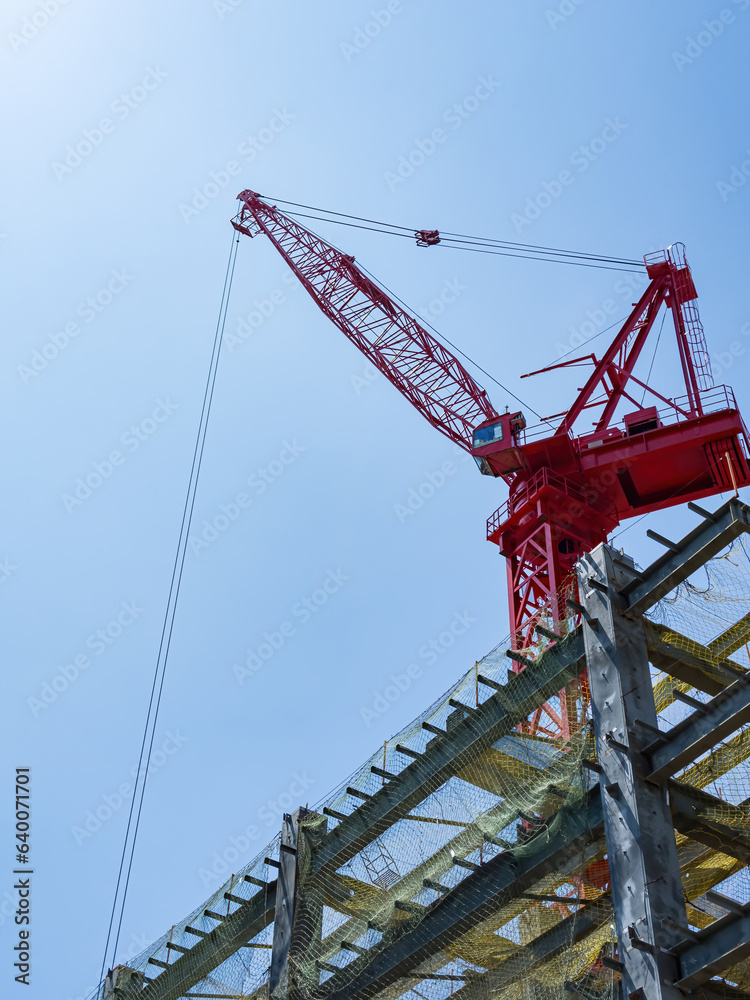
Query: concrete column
x,y
649,905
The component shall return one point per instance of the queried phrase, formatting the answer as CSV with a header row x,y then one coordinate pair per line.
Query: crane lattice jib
x,y
418,365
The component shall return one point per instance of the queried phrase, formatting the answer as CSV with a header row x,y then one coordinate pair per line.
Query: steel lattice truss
x,y
417,364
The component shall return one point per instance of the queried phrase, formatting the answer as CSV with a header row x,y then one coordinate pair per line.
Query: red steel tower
x,y
568,490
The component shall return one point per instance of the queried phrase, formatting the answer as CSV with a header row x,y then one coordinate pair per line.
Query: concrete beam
x,y
541,949
572,833
447,754
721,945
688,660
231,934
732,638
710,820
702,730
722,991
693,551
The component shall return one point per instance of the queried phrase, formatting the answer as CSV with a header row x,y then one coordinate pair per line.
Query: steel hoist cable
x,y
474,244
157,686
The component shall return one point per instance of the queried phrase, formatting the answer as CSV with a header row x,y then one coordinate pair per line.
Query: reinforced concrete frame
x,y
632,812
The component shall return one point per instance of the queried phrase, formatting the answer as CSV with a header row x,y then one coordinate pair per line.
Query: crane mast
x,y
568,492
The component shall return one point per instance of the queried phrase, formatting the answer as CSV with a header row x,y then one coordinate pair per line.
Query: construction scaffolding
x,y
473,857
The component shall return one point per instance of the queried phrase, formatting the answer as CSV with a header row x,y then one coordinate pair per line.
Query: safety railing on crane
x,y
713,400
544,478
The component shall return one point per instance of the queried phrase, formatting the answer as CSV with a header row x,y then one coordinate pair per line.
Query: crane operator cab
x,y
497,445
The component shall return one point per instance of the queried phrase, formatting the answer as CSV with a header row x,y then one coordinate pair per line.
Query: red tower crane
x,y
568,492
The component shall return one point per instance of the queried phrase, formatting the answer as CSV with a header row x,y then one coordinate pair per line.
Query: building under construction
x,y
471,857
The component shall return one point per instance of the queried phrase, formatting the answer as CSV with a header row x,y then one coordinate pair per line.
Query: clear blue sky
x,y
128,132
